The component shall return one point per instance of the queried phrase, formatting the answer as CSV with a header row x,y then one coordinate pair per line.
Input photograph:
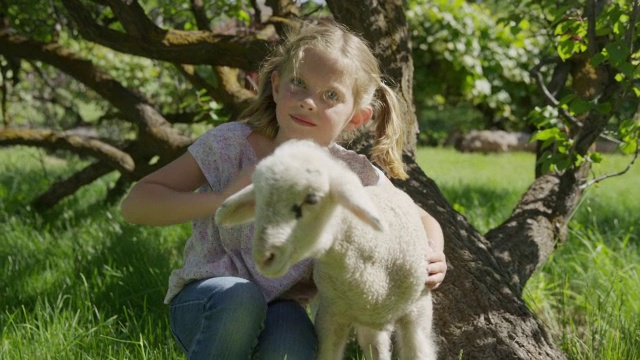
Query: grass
x,y
588,293
80,283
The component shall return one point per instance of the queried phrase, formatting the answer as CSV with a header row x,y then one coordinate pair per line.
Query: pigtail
x,y
387,148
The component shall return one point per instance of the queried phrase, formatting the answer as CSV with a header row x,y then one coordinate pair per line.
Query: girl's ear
x,y
360,117
275,83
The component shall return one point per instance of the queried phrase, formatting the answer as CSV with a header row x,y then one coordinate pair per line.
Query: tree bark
x,y
81,145
175,46
384,25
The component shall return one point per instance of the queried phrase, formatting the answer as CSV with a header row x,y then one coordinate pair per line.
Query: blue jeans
x,y
228,318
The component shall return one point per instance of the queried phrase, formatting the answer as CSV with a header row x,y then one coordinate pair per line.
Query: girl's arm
x,y
167,197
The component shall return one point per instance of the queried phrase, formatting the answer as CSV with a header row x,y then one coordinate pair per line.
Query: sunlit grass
x,y
484,188
588,293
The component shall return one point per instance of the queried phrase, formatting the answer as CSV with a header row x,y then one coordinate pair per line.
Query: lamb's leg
x,y
376,345
415,334
333,333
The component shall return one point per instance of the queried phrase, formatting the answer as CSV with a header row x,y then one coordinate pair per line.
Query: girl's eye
x,y
331,96
297,82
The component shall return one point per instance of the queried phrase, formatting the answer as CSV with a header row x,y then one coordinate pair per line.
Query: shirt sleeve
x,y
216,151
381,174
369,175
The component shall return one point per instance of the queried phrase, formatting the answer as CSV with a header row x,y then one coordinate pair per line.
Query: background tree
x,y
471,71
131,84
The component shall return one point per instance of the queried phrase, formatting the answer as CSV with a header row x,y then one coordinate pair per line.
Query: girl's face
x,y
317,103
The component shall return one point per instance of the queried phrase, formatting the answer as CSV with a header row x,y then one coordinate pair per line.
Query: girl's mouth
x,y
302,122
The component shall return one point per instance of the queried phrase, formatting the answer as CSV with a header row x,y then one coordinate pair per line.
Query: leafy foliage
x,y
601,42
464,58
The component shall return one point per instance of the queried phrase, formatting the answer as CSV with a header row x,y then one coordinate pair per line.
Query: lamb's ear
x,y
348,192
239,208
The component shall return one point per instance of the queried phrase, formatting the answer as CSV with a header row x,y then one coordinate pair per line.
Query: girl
x,y
322,82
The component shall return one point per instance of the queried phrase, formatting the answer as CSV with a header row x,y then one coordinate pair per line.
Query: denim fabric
x,y
228,318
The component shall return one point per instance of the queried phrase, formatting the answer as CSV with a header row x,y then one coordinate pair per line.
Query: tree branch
x,y
70,185
282,12
619,173
629,35
133,19
550,97
182,47
493,313
591,13
228,92
80,145
154,129
200,14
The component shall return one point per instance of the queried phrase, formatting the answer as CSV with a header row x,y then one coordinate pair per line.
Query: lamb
x,y
368,242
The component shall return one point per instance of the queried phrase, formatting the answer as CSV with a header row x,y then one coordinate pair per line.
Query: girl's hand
x,y
436,269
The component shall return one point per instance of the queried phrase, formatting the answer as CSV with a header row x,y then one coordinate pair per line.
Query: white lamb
x,y
369,244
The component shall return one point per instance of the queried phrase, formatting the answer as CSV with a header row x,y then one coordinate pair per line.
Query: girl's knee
x,y
288,333
220,315
232,302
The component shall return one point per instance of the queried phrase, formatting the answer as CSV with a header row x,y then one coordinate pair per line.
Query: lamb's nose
x,y
268,259
265,260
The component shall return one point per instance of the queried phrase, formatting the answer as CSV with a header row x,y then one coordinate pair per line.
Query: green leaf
x,y
563,163
568,99
629,147
617,52
546,134
579,106
595,157
604,108
598,59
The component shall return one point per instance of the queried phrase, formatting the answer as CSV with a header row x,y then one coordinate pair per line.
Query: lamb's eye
x,y
297,209
312,199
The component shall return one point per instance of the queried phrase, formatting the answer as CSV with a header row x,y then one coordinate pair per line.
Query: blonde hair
x,y
368,89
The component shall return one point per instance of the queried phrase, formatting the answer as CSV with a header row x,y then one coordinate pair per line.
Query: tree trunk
x,y
479,310
384,25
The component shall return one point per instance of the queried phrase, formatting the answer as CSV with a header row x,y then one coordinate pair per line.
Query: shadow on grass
x,y
82,249
483,206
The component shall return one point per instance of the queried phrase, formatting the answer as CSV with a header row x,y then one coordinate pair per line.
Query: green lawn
x,y
80,283
588,294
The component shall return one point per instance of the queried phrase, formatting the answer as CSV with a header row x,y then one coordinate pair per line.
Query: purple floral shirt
x,y
212,251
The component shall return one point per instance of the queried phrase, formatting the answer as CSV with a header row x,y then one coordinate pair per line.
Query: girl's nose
x,y
307,104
